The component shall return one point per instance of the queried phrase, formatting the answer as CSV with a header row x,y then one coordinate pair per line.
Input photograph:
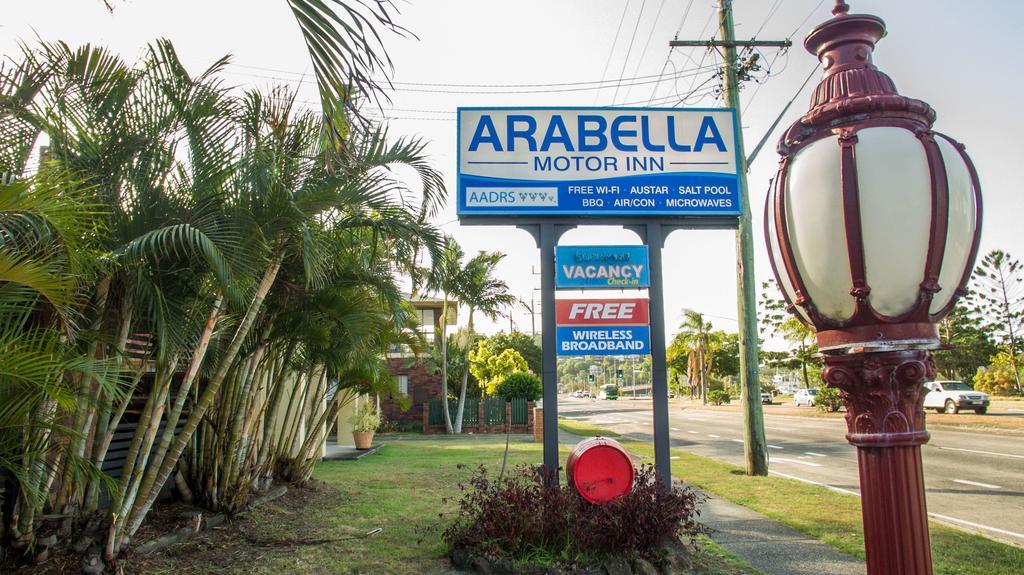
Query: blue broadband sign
x,y
604,340
601,267
597,162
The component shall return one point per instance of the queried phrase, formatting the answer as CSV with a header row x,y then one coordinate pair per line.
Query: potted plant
x,y
364,423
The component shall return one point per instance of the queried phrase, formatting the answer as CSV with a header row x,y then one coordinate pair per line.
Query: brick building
x,y
417,381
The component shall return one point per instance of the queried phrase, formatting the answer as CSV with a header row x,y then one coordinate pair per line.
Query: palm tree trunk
x,y
170,460
444,365
465,374
84,404
703,374
803,366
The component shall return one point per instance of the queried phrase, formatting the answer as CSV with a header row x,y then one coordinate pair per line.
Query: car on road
x,y
766,398
952,396
805,397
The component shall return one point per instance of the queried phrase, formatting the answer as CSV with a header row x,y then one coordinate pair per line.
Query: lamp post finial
x,y
841,8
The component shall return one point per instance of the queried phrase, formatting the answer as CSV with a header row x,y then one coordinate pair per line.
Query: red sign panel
x,y
602,312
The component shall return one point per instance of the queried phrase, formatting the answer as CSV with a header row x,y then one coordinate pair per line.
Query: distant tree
x,y
697,338
828,400
718,397
804,350
998,297
490,370
725,358
776,321
519,385
1000,377
970,343
521,342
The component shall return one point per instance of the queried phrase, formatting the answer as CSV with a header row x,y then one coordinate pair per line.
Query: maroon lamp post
x,y
872,228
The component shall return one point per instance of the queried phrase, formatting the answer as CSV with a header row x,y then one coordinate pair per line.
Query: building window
x,y
402,382
427,319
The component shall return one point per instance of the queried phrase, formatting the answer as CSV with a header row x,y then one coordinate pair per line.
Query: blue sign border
x,y
635,254
462,210
640,333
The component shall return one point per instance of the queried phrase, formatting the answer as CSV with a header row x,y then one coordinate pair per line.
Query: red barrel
x,y
600,469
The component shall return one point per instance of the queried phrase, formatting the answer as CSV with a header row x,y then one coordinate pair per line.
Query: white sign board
x,y
597,162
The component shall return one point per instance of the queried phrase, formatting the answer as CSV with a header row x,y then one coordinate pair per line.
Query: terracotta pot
x,y
363,439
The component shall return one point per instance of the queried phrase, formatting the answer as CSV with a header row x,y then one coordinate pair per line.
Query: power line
x,y
647,44
668,56
502,89
702,31
806,18
446,84
771,13
611,51
629,51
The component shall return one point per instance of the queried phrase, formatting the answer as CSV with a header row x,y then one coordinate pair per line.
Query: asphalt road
x,y
973,480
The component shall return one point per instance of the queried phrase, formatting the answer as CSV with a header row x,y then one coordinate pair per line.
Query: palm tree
x,y
445,277
174,214
292,187
696,335
480,291
44,223
796,332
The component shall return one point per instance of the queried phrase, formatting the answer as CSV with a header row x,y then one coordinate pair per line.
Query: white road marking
x,y
715,436
812,482
737,440
938,516
815,454
775,446
693,431
776,428
983,452
797,461
977,484
674,457
977,525
675,429
1015,410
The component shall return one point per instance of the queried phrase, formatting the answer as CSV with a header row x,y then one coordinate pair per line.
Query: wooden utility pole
x,y
755,448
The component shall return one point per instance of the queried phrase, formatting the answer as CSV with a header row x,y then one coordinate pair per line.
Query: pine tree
x,y
998,298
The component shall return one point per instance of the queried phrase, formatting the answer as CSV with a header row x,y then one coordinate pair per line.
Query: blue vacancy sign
x,y
597,162
604,340
601,267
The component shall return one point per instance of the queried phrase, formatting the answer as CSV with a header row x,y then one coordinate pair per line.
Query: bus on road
x,y
609,391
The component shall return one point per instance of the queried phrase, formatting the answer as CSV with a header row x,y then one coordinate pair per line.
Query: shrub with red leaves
x,y
520,517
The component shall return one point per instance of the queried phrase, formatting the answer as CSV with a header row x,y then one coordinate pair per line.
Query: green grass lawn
x,y
584,429
401,490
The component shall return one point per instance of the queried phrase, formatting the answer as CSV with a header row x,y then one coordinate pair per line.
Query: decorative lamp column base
x,y
884,393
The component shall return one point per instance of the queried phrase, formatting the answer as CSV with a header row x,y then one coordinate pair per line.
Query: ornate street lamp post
x,y
872,228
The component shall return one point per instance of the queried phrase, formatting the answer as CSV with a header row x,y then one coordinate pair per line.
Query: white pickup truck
x,y
952,396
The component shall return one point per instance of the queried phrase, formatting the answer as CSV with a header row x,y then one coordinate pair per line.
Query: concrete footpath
x,y
767,545
770,546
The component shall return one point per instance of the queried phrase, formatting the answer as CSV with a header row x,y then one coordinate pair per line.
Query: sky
x,y
949,53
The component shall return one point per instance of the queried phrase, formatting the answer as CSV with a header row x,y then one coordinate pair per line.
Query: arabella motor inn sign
x,y
603,326
597,162
601,267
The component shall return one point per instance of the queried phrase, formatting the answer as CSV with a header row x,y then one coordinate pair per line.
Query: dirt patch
x,y
248,538
274,529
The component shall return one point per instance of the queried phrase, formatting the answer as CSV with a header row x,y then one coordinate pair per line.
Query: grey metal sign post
x,y
652,233
546,235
